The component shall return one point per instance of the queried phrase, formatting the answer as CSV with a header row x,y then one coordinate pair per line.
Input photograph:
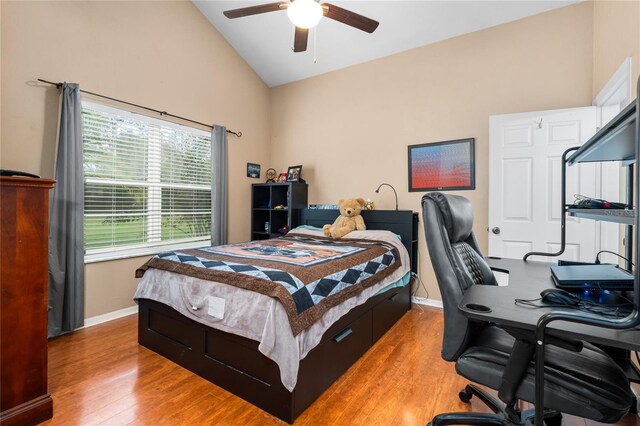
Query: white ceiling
x,y
265,40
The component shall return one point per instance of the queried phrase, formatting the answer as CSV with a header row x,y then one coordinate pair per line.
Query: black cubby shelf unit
x,y
274,205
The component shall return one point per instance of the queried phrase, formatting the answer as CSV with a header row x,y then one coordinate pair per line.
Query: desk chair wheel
x,y
465,396
472,390
553,418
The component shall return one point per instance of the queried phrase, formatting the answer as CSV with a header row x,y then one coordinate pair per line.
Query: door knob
x,y
495,230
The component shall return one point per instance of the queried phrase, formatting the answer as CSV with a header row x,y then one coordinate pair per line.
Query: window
x,y
147,184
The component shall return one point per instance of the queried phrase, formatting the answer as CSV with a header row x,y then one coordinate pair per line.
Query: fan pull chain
x,y
315,34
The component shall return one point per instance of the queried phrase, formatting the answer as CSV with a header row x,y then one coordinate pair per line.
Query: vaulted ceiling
x,y
265,41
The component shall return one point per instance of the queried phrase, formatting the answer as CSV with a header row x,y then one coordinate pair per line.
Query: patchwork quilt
x,y
307,274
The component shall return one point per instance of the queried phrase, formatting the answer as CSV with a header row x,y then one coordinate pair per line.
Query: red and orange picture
x,y
442,166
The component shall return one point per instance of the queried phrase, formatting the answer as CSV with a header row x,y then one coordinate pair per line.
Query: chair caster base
x,y
472,390
503,415
465,396
553,419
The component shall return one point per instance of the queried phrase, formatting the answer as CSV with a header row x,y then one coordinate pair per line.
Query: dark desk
x,y
526,281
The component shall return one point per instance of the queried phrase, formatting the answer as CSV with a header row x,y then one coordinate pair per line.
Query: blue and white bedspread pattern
x,y
305,296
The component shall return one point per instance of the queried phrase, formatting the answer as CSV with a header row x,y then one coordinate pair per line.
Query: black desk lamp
x,y
394,191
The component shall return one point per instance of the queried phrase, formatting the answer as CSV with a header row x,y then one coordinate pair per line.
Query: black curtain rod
x,y
59,85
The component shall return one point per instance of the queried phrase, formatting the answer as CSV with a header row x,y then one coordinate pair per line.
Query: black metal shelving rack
x,y
619,140
614,142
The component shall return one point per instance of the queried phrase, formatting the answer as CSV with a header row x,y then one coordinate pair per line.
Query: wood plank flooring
x,y
101,376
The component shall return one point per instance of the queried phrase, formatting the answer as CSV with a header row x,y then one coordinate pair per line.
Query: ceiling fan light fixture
x,y
304,13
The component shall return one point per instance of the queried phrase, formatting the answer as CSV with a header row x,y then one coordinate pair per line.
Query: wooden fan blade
x,y
254,10
350,18
300,39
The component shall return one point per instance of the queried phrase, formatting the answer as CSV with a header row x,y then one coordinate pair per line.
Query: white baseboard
x,y
428,302
110,316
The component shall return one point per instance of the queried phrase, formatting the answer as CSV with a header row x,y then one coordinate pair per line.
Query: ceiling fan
x,y
306,14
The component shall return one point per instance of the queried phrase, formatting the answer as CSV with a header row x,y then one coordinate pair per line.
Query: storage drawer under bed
x,y
234,362
331,359
395,304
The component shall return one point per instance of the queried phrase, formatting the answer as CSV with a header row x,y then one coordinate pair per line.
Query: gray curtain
x,y
66,240
219,183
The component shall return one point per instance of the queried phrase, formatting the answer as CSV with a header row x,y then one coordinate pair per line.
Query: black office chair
x,y
580,379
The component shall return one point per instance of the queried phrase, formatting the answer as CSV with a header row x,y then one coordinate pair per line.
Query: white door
x,y
525,152
613,97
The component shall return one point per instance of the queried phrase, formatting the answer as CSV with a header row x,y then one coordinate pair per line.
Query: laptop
x,y
580,277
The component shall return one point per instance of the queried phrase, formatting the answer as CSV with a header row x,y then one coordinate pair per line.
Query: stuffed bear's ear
x,y
340,202
360,201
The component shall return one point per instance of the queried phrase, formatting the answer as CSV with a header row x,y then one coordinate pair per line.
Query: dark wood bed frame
x,y
235,363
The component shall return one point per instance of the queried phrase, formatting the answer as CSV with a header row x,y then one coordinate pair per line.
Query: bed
x,y
248,359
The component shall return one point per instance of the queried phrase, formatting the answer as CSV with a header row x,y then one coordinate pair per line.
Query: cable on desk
x,y
607,310
597,262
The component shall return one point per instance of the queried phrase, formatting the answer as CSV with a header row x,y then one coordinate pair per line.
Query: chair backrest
x,y
457,262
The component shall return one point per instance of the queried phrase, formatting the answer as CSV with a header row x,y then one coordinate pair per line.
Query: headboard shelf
x,y
401,222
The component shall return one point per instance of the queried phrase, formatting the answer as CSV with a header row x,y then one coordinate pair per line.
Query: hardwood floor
x,y
101,376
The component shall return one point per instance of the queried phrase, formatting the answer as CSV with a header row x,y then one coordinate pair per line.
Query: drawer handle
x,y
393,297
342,335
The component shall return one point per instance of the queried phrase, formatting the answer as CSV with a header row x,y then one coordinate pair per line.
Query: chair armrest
x,y
568,344
496,269
521,356
517,365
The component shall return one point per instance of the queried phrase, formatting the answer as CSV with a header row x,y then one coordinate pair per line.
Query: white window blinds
x,y
147,184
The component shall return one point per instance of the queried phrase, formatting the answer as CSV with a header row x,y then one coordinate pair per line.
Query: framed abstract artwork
x,y
442,166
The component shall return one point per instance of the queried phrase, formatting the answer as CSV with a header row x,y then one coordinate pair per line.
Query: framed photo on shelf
x,y
282,177
293,173
253,170
442,166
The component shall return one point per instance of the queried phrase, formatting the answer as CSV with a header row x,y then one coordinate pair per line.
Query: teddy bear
x,y
349,219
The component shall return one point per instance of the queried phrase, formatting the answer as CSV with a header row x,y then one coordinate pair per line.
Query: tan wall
x,y
160,54
350,128
616,36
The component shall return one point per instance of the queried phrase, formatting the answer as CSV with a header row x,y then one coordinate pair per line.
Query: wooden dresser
x,y
24,229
